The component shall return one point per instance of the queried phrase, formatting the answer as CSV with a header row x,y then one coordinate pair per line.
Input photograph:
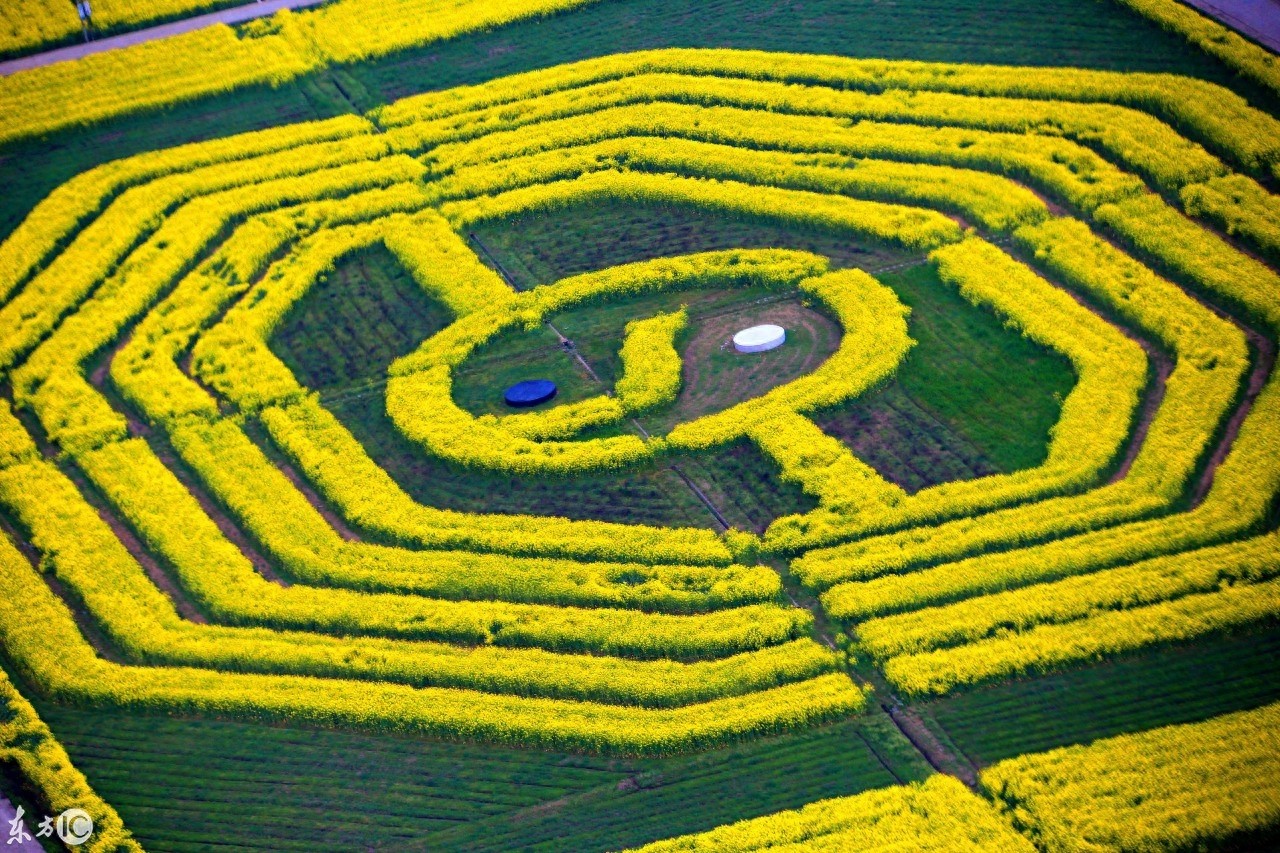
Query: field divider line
x,y
738,308
698,493
265,443
572,350
927,744
870,748
132,542
813,608
911,263
349,395
497,265
1264,364
693,487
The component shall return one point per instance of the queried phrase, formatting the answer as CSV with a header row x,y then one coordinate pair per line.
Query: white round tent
x,y
759,338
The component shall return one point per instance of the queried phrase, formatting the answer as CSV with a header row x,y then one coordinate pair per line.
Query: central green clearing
x,y
972,398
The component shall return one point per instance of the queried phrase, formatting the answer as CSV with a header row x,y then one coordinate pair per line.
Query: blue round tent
x,y
530,392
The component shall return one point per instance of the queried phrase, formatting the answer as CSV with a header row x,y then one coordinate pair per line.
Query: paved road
x,y
234,15
1258,19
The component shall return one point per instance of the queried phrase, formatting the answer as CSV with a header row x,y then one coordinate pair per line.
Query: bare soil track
x,y
210,507
745,375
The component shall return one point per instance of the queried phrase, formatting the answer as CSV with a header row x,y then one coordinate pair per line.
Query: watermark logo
x,y
74,827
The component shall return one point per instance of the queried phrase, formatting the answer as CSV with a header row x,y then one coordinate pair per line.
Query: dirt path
x,y
1263,364
175,593
564,341
169,459
217,514
702,496
98,377
573,351
1162,366
920,729
92,633
318,503
801,600
941,758
1263,352
715,377
234,15
497,264
1161,363
898,267
124,533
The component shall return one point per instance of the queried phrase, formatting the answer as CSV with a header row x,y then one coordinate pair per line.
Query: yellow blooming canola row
x,y
158,73
1187,787
1042,197
28,25
1203,786
1235,50
288,45
939,814
284,46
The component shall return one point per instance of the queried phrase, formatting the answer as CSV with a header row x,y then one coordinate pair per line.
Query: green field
x,y
181,784
1180,684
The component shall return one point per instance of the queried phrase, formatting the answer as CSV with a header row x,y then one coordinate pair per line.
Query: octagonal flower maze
x,y
195,532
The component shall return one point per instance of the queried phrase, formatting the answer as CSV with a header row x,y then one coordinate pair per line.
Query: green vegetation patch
x,y
185,785
1160,687
354,322
972,397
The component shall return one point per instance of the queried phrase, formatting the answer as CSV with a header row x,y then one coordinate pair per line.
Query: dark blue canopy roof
x,y
530,392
